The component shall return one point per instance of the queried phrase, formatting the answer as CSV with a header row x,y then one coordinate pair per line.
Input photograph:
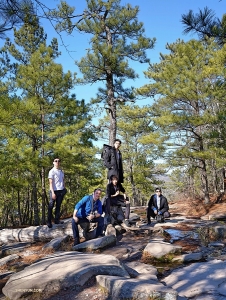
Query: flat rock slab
x,y
189,257
56,243
35,233
157,248
140,289
8,258
199,278
95,244
14,248
142,268
59,271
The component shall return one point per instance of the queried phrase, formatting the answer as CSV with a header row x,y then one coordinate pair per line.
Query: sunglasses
x,y
56,160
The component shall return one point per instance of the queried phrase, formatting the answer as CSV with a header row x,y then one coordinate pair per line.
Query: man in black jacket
x,y
157,205
113,161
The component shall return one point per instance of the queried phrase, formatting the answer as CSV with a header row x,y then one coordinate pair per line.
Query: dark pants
x,y
100,226
150,213
118,201
58,201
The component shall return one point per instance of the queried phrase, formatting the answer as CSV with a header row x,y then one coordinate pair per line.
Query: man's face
x,y
56,162
158,192
96,195
114,180
117,144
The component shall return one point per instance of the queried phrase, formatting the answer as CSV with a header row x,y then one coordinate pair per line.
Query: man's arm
x,y
75,216
121,188
51,188
108,162
165,205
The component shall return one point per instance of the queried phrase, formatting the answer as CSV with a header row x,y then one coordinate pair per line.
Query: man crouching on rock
x,y
88,209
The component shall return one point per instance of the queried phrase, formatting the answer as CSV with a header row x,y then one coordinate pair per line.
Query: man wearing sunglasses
x,y
157,206
57,191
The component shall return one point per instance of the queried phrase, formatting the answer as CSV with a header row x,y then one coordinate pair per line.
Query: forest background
x,y
124,71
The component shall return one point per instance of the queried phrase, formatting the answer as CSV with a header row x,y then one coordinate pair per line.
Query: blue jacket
x,y
85,206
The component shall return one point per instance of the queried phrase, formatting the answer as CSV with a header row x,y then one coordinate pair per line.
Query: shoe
x,y
101,235
126,223
49,225
76,242
59,222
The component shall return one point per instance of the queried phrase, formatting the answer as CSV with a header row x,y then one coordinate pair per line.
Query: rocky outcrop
x,y
56,243
96,244
199,279
59,271
158,248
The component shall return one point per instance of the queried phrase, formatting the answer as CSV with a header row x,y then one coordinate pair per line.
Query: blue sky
x,y
161,20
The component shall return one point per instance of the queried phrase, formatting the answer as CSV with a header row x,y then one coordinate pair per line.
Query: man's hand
x,y
156,212
76,219
53,196
90,217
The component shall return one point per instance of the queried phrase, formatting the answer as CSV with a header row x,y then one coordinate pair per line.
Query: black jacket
x,y
111,190
152,204
114,164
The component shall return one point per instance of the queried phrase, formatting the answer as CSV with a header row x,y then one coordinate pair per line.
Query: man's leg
x,y
150,213
59,199
127,212
166,214
75,232
100,225
50,209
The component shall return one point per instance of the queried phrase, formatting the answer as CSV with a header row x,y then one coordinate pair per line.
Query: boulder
x,y
95,244
56,243
14,248
8,258
199,278
158,248
59,271
140,289
189,257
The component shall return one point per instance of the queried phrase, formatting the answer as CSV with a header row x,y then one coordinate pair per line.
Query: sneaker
x,y
76,242
101,235
126,223
59,222
49,225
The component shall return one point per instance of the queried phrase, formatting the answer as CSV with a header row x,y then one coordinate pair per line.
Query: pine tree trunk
x,y
204,181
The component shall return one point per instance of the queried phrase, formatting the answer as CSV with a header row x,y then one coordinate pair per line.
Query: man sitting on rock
x,y
157,205
115,199
88,209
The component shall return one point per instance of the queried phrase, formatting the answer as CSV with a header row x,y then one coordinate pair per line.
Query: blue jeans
x,y
100,226
58,201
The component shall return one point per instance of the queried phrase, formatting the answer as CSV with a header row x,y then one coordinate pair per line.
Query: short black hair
x,y
118,140
112,176
158,189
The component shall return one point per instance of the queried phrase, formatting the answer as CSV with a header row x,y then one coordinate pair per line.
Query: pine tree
x,y
116,38
190,103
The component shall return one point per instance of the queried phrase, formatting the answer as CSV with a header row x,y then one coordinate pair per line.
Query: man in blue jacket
x,y
88,209
157,205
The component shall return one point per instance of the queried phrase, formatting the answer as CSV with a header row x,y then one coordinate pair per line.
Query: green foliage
x,y
116,37
190,81
44,121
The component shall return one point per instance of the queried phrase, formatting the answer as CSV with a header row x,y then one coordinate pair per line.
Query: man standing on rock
x,y
157,205
113,161
57,191
88,209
